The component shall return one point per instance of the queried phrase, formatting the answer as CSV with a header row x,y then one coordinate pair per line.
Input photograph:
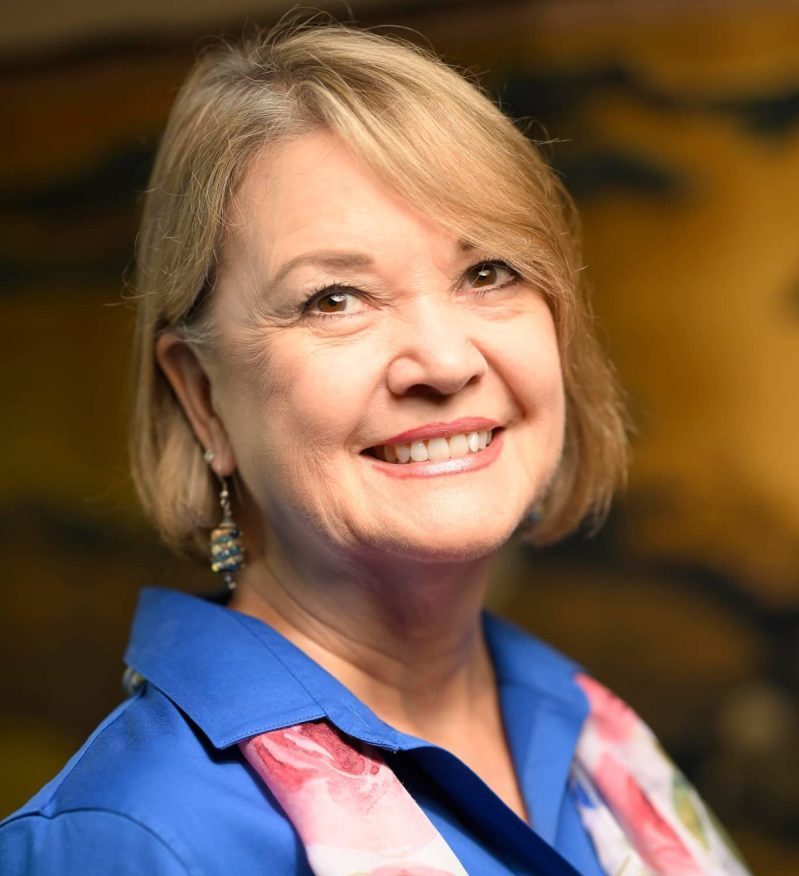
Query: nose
x,y
434,351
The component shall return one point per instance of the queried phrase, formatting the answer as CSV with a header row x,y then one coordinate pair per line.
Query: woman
x,y
363,360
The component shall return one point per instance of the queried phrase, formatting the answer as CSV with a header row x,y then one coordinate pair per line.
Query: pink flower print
x,y
314,751
615,721
654,839
336,791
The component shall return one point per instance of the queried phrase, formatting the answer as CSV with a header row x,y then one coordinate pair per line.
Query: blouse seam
x,y
89,745
187,868
280,660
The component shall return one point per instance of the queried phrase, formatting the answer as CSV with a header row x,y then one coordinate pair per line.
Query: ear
x,y
192,385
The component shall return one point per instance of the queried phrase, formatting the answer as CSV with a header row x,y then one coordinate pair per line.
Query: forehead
x,y
314,193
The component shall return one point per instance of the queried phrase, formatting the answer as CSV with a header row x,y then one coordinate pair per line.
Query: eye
x,y
330,301
335,302
493,274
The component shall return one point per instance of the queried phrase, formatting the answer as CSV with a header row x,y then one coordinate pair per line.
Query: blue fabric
x,y
161,788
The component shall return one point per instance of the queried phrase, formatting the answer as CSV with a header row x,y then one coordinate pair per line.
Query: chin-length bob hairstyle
x,y
440,143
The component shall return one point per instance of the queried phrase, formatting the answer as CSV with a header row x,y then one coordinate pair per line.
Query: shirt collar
x,y
235,676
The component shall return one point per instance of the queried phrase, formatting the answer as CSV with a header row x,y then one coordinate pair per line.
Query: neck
x,y
405,636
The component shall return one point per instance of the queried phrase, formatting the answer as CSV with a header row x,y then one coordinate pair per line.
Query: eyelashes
x,y
338,296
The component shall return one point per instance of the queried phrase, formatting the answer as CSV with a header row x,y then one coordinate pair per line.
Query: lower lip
x,y
470,462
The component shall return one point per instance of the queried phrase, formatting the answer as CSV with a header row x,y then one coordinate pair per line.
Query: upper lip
x,y
441,430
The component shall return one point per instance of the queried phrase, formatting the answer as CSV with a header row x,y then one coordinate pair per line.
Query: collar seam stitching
x,y
240,620
304,714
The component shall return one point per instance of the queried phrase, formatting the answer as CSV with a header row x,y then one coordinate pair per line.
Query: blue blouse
x,y
161,789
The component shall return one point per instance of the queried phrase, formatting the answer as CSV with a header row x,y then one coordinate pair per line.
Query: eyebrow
x,y
331,258
325,257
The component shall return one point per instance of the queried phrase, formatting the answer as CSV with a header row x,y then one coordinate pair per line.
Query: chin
x,y
457,546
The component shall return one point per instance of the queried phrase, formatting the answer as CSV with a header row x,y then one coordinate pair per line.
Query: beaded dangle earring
x,y
227,550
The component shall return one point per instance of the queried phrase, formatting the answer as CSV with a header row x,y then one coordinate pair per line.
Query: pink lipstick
x,y
442,430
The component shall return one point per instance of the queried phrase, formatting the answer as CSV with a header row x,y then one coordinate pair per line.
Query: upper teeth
x,y
435,449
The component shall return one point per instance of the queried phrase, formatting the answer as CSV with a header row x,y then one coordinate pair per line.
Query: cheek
x,y
533,374
311,398
531,365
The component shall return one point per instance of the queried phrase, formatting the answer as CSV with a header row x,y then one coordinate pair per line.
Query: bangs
x,y
444,147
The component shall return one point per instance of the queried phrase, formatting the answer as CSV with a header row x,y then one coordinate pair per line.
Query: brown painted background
x,y
677,129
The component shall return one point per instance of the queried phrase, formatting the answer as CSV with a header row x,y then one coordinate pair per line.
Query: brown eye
x,y
484,274
491,275
335,302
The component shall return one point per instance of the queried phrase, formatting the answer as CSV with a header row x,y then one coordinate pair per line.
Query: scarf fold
x,y
355,818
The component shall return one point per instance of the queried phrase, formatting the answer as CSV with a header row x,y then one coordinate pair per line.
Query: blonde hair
x,y
440,143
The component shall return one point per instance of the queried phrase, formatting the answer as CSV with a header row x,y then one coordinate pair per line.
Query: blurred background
x,y
676,127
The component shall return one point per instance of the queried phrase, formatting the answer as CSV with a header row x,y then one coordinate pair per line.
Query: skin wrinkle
x,y
332,628
378,666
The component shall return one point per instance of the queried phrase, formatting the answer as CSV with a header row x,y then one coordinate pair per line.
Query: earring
x,y
534,515
227,550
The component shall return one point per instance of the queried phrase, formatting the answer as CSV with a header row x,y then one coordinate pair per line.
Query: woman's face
x,y
346,319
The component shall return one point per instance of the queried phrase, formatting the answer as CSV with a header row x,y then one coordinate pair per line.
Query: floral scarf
x,y
355,818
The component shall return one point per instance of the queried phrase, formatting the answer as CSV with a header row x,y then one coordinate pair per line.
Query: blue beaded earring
x,y
227,550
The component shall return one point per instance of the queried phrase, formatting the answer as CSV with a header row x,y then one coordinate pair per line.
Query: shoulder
x,y
147,793
84,843
98,814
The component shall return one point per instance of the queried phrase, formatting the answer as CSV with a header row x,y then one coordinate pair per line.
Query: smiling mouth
x,y
434,449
